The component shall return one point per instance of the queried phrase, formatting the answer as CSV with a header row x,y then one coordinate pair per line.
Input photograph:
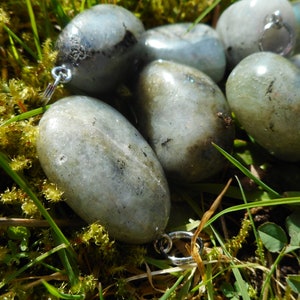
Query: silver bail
x,y
60,74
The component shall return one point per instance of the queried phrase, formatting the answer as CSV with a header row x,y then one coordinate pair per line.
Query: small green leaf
x,y
293,227
244,170
294,282
272,236
55,292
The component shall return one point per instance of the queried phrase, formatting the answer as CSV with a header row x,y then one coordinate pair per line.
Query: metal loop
x,y
165,245
61,74
275,21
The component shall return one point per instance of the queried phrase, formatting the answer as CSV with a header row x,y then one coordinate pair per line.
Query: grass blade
x,y
68,254
169,292
55,292
34,30
206,12
273,202
236,272
26,115
60,13
232,192
244,170
267,280
263,203
256,236
18,40
38,259
209,283
4,163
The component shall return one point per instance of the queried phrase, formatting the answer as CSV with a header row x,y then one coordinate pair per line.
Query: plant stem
x,y
34,30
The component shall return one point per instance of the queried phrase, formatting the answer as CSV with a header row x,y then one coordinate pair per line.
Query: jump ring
x,y
275,21
163,245
61,74
168,240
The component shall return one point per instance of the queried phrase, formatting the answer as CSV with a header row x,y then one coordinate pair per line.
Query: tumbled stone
x,y
106,169
196,45
262,91
241,27
97,45
180,111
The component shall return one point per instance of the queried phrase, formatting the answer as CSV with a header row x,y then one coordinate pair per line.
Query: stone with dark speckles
x,y
106,169
97,45
178,109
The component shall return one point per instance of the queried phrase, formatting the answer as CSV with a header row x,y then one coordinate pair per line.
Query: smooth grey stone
x,y
241,27
180,111
106,169
197,46
97,45
263,92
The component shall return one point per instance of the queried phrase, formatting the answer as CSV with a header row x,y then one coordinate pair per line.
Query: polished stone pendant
x,y
105,167
262,91
181,111
97,46
195,45
250,26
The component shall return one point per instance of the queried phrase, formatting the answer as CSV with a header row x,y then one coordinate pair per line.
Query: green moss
x,y
96,234
51,192
236,243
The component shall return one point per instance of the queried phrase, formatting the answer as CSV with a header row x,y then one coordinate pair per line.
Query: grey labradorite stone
x,y
195,45
105,167
241,27
97,45
263,92
180,111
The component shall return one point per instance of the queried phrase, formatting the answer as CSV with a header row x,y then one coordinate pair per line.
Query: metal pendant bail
x,y
60,74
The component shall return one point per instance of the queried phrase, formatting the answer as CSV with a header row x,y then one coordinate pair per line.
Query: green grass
x,y
80,262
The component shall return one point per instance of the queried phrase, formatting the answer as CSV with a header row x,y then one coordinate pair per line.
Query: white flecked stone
x,y
105,167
